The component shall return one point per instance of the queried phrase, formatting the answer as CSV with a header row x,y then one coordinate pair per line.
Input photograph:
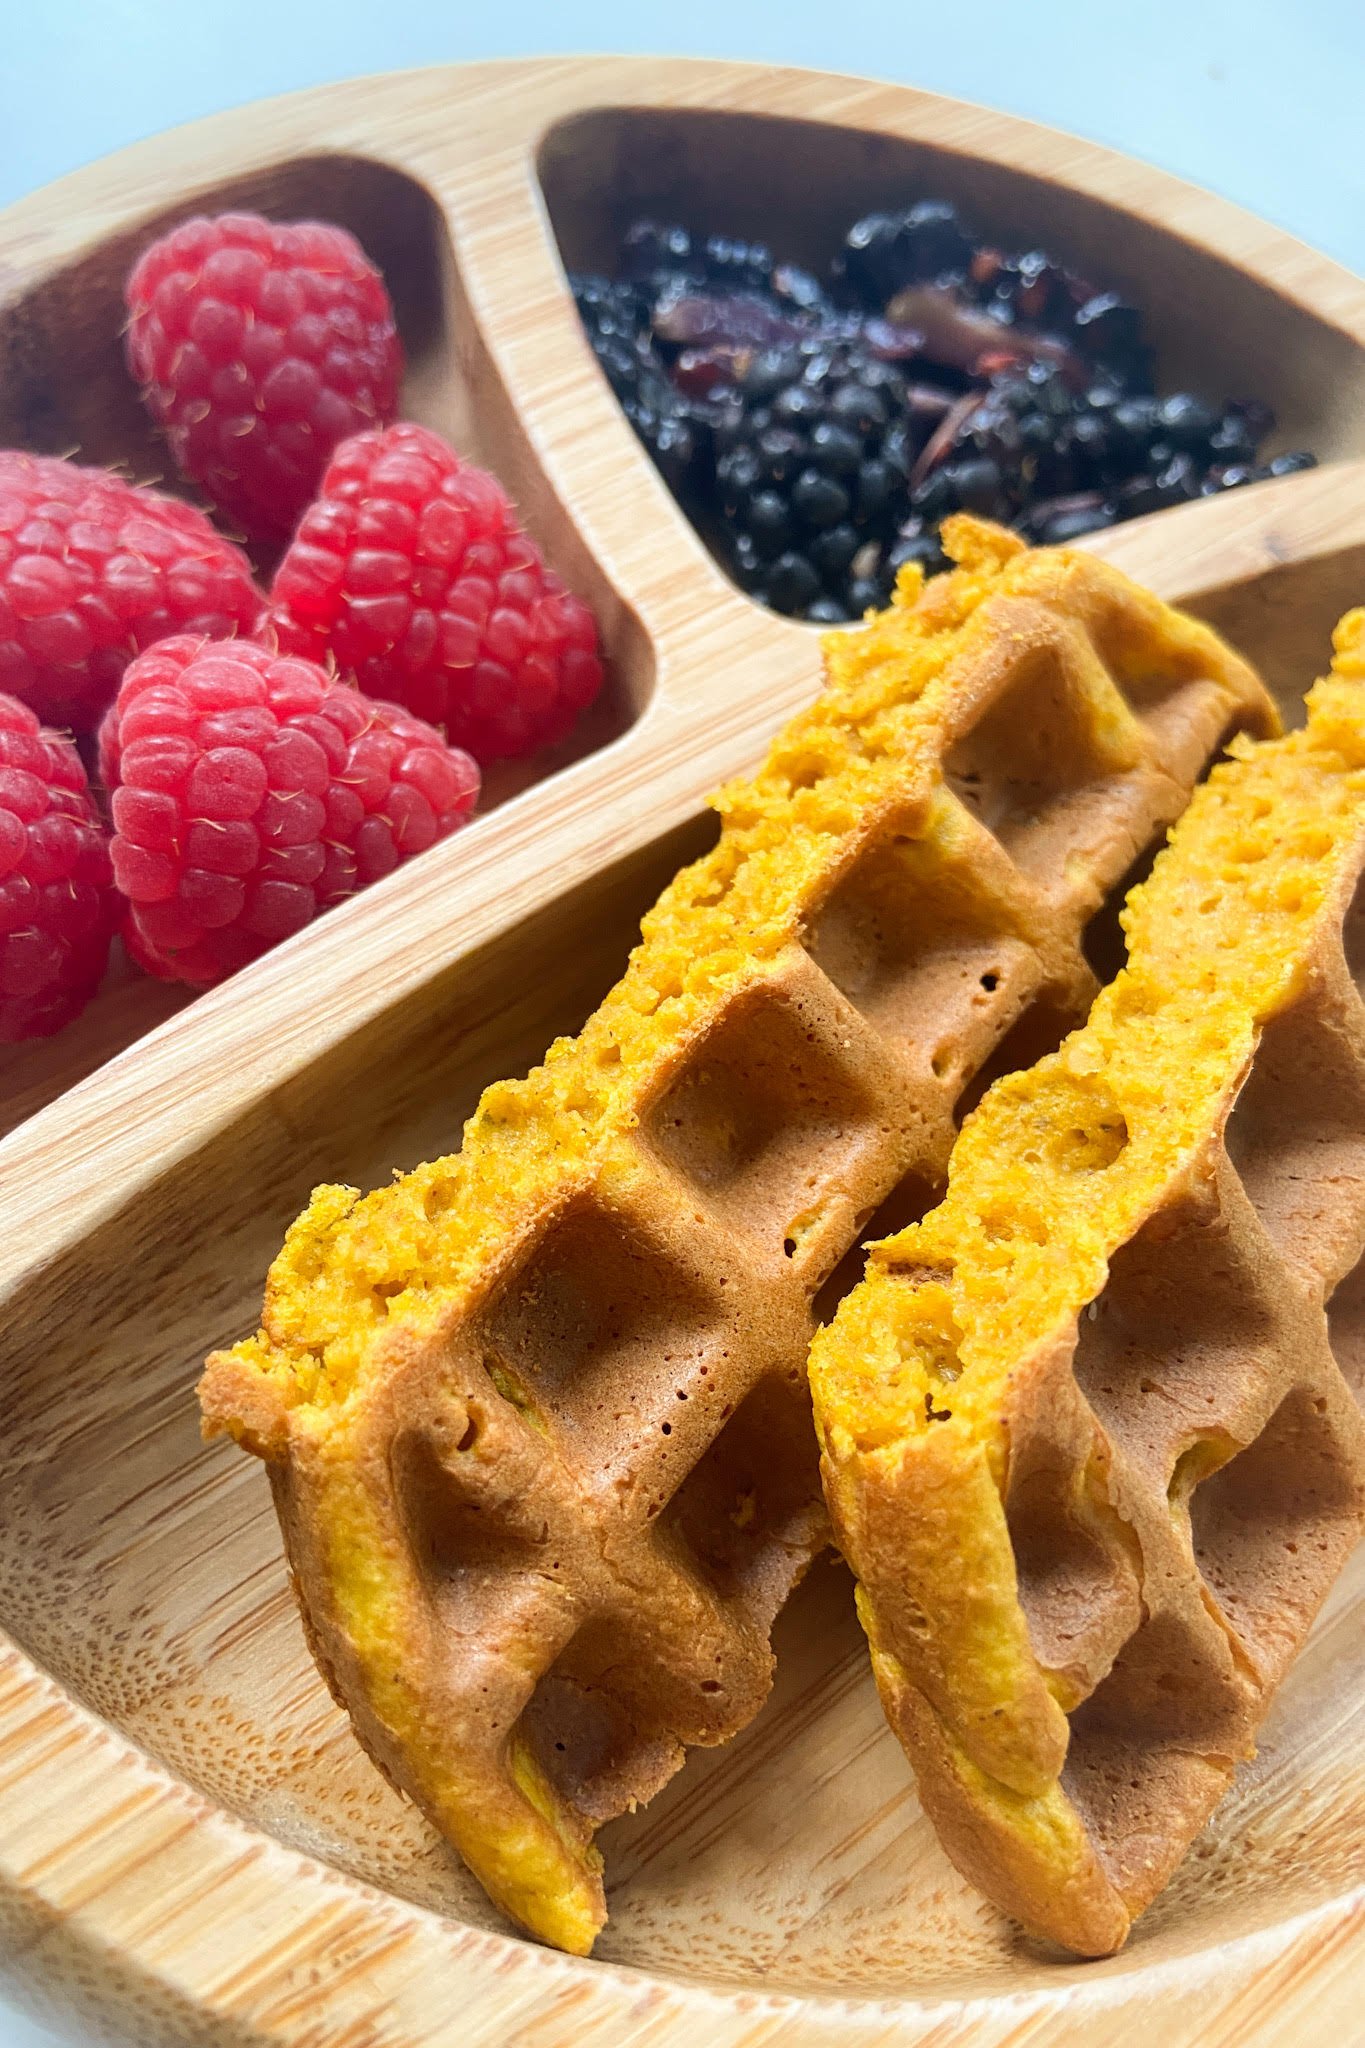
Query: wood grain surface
x,y
192,1847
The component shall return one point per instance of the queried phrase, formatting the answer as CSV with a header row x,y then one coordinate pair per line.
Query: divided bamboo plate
x,y
192,1847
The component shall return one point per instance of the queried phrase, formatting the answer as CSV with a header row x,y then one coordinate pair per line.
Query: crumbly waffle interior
x,y
1079,1201
538,1411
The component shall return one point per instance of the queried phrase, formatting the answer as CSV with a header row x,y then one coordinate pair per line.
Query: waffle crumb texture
x,y
537,1413
1085,1438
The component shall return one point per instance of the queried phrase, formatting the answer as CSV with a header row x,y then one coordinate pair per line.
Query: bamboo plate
x,y
192,1848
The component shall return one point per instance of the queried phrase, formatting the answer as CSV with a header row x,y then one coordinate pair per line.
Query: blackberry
x,y
818,429
818,459
1070,462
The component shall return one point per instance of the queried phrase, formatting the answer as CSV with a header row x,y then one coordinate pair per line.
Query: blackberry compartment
x,y
1155,376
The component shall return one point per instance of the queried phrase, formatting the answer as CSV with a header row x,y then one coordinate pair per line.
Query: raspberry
x,y
411,573
260,346
58,909
252,790
92,570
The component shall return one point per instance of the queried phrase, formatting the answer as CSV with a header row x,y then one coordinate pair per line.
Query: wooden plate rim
x,y
87,1814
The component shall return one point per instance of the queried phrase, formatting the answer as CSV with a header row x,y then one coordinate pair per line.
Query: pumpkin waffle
x,y
537,1414
1085,1439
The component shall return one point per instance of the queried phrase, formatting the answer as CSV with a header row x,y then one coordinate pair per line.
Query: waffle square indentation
x,y
1185,1336
921,946
1032,761
1155,1739
1269,1524
746,1510
1346,1329
777,1112
617,1326
1296,1137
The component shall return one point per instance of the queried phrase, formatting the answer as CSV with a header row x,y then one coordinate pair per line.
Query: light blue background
x,y
1260,99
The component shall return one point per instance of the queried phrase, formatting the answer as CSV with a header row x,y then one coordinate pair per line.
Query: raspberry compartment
x,y
155,1663
64,387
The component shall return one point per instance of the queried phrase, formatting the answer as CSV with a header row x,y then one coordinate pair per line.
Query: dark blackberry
x,y
817,470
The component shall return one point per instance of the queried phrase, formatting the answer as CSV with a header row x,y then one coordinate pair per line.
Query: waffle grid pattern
x,y
1185,1466
1207,1373
599,1479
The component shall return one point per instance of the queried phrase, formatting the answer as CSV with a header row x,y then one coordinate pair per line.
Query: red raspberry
x,y
412,574
58,909
92,570
251,791
260,346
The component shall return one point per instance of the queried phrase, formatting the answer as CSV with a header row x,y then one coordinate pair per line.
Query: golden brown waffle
x,y
1086,1443
537,1415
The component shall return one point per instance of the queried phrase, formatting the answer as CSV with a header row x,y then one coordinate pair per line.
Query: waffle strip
x,y
537,1415
1086,1439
